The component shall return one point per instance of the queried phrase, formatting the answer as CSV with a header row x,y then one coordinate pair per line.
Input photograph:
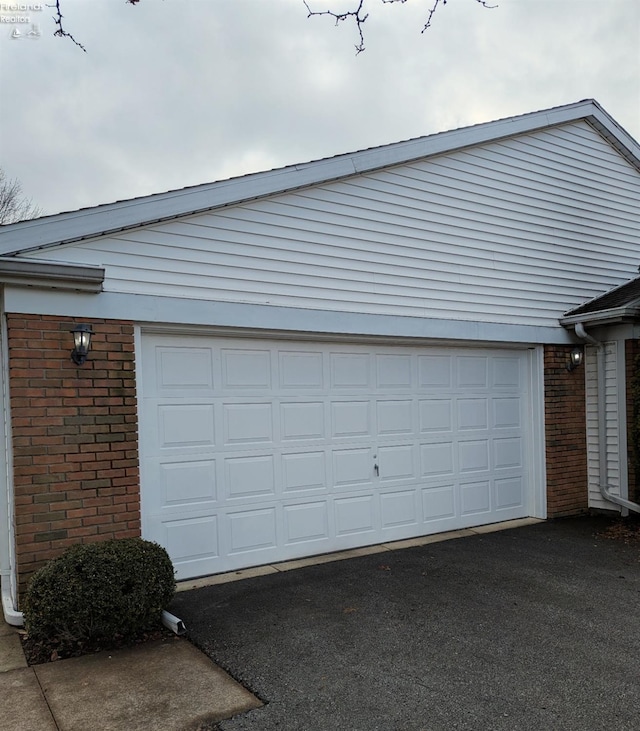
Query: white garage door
x,y
258,451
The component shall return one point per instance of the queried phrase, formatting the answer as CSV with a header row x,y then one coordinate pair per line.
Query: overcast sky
x,y
173,93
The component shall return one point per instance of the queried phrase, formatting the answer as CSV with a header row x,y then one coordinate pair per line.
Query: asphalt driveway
x,y
531,628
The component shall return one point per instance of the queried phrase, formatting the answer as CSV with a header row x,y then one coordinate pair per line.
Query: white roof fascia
x,y
51,275
110,218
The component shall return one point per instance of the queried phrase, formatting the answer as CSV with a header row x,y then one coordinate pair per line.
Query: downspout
x,y
602,423
11,616
7,554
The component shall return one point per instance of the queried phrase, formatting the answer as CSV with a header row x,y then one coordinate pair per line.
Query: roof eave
x,y
613,316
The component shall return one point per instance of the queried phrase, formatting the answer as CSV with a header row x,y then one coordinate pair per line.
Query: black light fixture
x,y
81,343
575,359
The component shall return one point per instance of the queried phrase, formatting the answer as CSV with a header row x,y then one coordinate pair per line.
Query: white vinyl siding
x,y
615,414
516,231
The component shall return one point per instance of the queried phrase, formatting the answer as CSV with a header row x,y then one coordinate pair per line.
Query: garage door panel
x,y
247,423
352,467
172,378
301,370
252,530
506,413
351,419
395,417
256,451
507,453
300,420
472,371
506,372
472,413
186,425
399,508
394,371
350,370
435,371
475,497
191,539
509,492
438,502
473,455
186,483
354,515
436,415
397,462
246,369
436,459
249,476
304,471
306,522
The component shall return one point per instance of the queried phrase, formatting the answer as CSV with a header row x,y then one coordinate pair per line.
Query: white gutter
x,y
51,275
602,423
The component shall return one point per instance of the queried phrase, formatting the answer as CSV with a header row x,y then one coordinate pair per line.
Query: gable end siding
x,y
514,231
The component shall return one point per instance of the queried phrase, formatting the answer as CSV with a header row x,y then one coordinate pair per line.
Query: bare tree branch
x,y
61,32
13,204
359,15
434,7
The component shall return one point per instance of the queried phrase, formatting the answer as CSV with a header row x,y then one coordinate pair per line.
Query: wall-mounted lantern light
x,y
575,359
81,343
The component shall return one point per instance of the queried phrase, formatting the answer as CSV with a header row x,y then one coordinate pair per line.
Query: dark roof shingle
x,y
624,294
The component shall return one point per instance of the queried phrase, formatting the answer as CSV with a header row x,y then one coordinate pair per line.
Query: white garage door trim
x,y
267,450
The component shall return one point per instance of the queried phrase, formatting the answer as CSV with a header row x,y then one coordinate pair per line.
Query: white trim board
x,y
152,310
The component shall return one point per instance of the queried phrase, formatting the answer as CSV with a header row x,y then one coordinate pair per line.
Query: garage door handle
x,y
377,469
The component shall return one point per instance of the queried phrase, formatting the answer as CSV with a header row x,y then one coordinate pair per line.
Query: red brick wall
x,y
565,429
75,437
632,365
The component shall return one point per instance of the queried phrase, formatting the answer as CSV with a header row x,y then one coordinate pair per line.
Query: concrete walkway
x,y
162,685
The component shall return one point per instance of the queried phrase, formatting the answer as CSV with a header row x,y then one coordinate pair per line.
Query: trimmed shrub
x,y
97,593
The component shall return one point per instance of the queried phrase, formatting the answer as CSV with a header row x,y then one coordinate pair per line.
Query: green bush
x,y
99,593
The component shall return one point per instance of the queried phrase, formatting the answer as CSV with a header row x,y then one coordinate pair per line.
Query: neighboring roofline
x,y
37,273
594,306
113,217
626,313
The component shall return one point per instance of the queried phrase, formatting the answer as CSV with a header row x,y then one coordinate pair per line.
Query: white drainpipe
x,y
11,615
602,423
16,619
7,554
